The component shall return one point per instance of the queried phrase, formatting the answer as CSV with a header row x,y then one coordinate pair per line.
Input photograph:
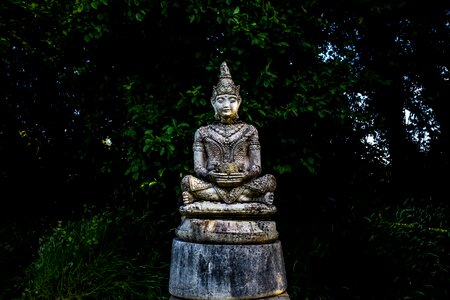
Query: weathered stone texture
x,y
283,296
236,210
227,231
225,272
227,243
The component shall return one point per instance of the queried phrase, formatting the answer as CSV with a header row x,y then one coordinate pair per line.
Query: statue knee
x,y
271,182
185,183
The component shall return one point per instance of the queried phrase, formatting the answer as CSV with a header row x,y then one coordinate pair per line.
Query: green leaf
x,y
171,148
281,169
170,130
139,16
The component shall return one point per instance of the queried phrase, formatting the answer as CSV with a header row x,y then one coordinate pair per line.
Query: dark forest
x,y
100,99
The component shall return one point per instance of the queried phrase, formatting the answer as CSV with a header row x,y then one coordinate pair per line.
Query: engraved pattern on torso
x,y
221,148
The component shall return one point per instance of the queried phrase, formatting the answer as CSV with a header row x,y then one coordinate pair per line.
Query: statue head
x,y
225,98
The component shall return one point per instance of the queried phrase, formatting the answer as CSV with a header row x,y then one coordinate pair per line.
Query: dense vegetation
x,y
100,99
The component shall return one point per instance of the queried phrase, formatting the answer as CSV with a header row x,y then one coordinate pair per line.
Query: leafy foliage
x,y
414,240
98,257
396,253
100,100
123,85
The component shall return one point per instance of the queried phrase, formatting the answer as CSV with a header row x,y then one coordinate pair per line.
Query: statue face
x,y
226,107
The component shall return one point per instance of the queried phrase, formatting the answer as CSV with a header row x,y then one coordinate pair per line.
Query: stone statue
x,y
227,247
227,157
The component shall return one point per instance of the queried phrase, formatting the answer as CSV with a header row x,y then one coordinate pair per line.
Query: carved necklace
x,y
227,130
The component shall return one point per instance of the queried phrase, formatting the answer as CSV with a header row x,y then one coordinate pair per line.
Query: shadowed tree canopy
x,y
100,98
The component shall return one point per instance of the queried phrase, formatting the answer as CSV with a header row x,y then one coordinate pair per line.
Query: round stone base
x,y
227,231
226,272
283,296
218,210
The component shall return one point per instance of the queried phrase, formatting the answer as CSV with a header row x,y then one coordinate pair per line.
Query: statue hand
x,y
228,179
212,176
236,177
241,176
249,175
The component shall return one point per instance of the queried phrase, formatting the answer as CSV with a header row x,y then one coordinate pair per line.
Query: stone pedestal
x,y
283,296
219,223
227,231
223,272
227,251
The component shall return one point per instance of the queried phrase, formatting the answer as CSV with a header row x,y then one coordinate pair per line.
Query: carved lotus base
x,y
221,223
227,231
216,210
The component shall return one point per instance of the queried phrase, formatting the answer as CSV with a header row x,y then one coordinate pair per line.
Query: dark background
x,y
99,101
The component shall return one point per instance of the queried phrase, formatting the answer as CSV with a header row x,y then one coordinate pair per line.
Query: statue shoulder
x,y
201,132
250,130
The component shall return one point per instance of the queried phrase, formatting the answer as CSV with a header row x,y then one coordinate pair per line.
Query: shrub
x,y
415,238
108,255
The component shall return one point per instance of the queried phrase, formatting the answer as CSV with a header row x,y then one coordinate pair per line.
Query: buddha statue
x,y
227,246
227,154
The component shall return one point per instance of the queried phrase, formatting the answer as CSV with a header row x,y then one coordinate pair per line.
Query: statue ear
x,y
214,94
237,89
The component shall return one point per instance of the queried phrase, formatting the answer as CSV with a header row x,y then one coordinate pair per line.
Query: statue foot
x,y
267,198
187,197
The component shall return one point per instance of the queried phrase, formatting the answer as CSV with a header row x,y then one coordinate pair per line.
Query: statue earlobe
x,y
238,88
214,94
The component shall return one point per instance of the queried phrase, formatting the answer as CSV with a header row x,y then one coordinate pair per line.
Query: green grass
x,y
400,252
110,255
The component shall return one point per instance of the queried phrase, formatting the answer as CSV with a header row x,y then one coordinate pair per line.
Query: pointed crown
x,y
226,84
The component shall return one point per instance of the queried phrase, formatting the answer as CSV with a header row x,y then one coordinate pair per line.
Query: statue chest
x,y
223,148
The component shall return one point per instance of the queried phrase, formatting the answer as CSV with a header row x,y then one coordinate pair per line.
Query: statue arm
x,y
200,164
254,156
199,156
